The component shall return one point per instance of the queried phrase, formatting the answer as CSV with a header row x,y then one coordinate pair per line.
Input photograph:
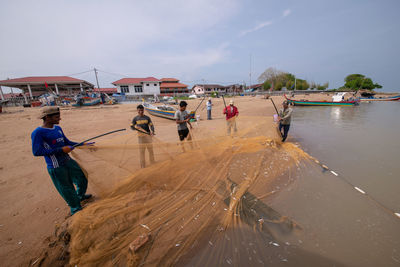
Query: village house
x,y
201,89
234,89
171,87
138,86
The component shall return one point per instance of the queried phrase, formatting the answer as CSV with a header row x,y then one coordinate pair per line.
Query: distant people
x,y
145,128
209,108
182,118
231,112
103,98
50,142
285,116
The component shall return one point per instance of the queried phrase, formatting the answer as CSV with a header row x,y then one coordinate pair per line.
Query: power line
x,y
116,74
74,74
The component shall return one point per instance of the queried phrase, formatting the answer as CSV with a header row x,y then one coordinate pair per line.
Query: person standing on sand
x,y
146,130
182,118
231,112
285,116
209,107
50,142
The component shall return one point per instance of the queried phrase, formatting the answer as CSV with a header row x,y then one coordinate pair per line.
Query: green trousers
x,y
65,179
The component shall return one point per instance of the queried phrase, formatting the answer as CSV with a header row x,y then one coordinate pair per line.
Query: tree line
x,y
276,80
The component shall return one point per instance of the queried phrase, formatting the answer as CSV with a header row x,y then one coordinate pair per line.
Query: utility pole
x,y
204,87
97,80
250,72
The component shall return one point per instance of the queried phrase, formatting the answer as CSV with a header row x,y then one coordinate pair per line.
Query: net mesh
x,y
196,205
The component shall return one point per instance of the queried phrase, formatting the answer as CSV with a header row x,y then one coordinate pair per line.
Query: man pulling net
x,y
145,128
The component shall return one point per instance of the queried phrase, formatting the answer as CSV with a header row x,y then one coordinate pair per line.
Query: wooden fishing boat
x,y
164,111
389,98
337,101
87,101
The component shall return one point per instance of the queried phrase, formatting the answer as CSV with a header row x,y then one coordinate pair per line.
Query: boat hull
x,y
168,114
88,102
392,98
321,103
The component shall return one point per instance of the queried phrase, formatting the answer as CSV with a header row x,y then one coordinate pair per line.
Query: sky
x,y
205,41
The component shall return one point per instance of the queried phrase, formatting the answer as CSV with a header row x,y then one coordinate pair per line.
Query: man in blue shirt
x,y
209,107
50,142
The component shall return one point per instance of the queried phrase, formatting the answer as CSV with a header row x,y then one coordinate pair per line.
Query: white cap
x,y
231,102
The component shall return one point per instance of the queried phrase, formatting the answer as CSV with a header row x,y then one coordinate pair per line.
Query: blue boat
x,y
87,101
164,111
390,98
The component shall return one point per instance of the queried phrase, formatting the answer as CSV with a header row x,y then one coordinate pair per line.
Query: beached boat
x,y
87,101
163,111
389,98
337,101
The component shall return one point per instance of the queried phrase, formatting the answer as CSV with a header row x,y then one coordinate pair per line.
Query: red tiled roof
x,y
255,85
106,90
172,85
169,80
136,80
42,79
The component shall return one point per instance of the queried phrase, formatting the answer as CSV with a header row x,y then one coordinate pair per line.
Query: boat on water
x,y
337,100
164,111
389,98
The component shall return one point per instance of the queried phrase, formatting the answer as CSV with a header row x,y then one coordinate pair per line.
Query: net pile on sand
x,y
202,207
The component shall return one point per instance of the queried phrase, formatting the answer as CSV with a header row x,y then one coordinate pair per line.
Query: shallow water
x,y
338,222
361,143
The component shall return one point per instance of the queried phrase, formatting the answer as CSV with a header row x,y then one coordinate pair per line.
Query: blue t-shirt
x,y
48,142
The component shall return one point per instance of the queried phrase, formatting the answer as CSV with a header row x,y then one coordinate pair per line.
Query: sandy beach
x,y
32,208
285,178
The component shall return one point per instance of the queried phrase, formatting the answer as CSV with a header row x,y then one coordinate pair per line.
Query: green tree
x,y
358,81
266,85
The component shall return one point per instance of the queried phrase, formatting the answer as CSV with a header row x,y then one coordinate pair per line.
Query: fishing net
x,y
201,203
219,200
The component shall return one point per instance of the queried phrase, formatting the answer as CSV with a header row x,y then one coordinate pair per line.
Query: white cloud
x,y
60,37
256,28
195,59
286,12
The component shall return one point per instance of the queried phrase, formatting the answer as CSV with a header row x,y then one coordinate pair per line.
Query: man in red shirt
x,y
231,112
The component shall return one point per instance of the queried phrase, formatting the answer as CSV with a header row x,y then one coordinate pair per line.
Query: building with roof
x,y
172,86
255,87
108,91
138,86
38,85
201,89
234,88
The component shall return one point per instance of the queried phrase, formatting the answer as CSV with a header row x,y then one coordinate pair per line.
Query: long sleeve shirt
x,y
48,142
286,116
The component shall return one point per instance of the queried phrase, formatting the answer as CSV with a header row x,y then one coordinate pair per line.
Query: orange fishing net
x,y
200,206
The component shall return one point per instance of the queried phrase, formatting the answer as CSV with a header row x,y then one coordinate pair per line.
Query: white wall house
x,y
200,89
138,86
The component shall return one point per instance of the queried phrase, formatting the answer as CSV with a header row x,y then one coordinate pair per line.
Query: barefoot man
x,y
145,128
285,116
231,112
182,118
